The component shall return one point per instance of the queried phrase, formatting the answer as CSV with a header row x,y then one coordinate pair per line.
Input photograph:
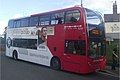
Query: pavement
x,y
114,73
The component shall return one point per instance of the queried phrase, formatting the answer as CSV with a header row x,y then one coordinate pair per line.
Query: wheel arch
x,y
56,57
15,53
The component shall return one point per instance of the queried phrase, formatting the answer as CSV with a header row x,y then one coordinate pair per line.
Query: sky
x,y
11,9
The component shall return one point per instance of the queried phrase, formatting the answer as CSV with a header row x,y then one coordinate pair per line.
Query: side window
x,y
11,24
44,20
25,43
32,44
16,23
75,47
57,18
16,43
33,21
72,16
25,22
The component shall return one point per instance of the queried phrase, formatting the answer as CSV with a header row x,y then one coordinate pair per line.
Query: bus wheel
x,y
15,55
55,63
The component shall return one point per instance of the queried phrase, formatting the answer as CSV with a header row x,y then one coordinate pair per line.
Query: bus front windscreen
x,y
96,33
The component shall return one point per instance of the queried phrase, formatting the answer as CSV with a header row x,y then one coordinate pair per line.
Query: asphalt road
x,y
21,70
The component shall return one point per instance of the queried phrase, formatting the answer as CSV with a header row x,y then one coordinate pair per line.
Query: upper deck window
x,y
33,21
44,20
72,16
16,23
57,18
24,22
11,24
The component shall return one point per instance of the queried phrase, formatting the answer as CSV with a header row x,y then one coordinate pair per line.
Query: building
x,y
112,24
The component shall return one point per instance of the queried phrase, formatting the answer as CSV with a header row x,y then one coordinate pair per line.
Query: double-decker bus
x,y
71,39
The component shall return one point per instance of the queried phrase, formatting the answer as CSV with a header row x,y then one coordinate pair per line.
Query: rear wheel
x,y
15,55
55,63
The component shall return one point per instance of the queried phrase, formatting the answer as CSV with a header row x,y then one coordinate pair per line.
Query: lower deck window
x,y
25,43
75,47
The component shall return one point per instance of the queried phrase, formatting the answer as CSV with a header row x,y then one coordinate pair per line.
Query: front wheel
x,y
55,63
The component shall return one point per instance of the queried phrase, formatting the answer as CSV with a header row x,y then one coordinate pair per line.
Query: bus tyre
x,y
15,55
55,63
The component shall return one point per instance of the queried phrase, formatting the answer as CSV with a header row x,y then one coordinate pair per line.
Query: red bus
x,y
71,39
